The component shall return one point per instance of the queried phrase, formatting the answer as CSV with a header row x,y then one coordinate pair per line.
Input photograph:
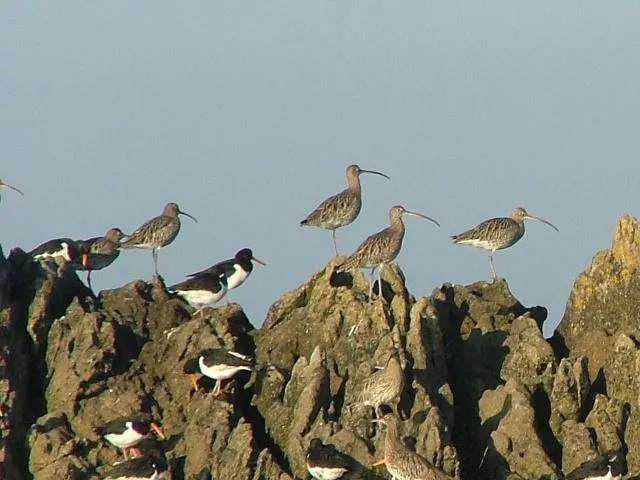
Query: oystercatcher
x,y
610,466
324,462
203,290
126,432
219,364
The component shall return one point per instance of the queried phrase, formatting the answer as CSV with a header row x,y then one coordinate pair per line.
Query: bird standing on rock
x,y
158,232
610,466
382,247
401,462
498,233
236,270
340,209
203,290
324,462
151,465
383,386
127,432
103,251
72,251
219,364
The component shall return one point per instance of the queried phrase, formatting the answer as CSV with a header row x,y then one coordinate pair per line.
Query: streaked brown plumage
x,y
382,247
340,209
498,233
158,232
401,462
383,386
102,252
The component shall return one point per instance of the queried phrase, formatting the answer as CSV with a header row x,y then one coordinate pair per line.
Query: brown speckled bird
x,y
383,386
401,462
382,247
158,232
340,209
498,233
103,251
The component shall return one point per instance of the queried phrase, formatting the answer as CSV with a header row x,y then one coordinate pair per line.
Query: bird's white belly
x,y
124,440
324,473
201,298
220,372
237,278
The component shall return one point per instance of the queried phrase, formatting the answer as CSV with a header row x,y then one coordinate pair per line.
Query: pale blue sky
x,y
247,113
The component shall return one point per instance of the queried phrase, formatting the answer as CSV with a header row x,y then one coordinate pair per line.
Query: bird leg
x,y
89,279
493,269
380,282
154,253
371,285
218,388
378,462
125,453
335,244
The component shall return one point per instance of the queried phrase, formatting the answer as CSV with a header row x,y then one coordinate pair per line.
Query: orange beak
x,y
158,430
194,381
259,261
85,260
378,462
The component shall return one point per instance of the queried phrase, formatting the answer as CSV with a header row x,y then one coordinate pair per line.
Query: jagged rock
x,y
604,298
509,414
578,445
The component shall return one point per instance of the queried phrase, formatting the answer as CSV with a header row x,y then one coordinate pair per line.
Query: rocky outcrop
x,y
486,396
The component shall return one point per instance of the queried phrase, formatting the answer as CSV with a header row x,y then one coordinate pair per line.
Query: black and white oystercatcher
x,y
103,251
324,462
158,232
219,364
127,432
608,467
236,269
70,250
152,465
203,290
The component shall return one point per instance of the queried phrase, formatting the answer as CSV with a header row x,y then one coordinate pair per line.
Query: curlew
x,y
158,232
382,247
340,209
103,251
383,386
127,432
218,363
324,462
401,462
498,233
3,184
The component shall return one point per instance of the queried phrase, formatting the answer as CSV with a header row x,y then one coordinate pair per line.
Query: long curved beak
x,y
533,217
158,430
259,261
415,214
375,173
187,215
2,184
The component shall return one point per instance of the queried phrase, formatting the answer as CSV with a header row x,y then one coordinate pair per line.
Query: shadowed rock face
x,y
485,396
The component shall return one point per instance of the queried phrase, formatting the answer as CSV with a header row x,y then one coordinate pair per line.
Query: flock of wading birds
x,y
207,287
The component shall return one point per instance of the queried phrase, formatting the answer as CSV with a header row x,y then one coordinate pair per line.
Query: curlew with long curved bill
x,y
343,208
498,233
4,184
382,247
158,232
401,462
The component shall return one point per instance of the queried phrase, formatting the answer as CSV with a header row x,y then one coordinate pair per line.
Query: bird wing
x,y
161,229
338,210
373,251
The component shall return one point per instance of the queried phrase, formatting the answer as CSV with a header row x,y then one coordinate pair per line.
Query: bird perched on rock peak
x,y
498,233
219,364
342,208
